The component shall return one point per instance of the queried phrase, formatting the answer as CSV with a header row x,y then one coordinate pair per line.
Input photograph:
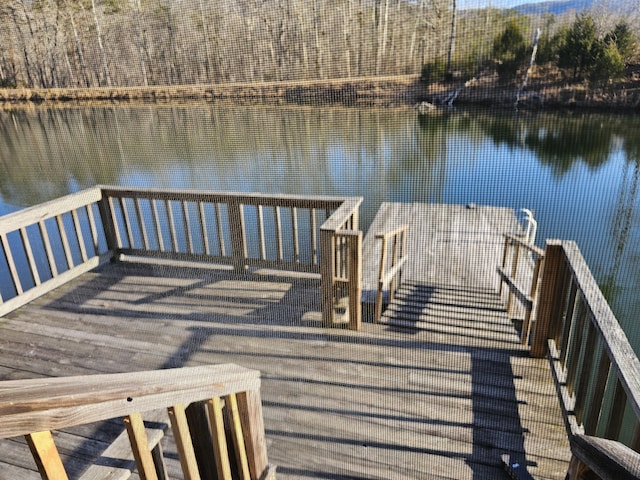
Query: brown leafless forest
x,y
124,43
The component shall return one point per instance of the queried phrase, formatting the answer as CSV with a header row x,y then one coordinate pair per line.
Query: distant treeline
x,y
92,43
125,43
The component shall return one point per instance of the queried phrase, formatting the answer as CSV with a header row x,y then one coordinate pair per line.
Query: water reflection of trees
x,y
560,140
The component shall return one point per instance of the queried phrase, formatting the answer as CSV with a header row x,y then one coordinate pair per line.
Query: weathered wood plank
x,y
50,209
457,404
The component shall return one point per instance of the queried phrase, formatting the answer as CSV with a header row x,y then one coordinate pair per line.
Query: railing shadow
x,y
286,307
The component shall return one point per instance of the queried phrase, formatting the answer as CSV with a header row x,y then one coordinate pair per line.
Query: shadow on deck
x,y
443,400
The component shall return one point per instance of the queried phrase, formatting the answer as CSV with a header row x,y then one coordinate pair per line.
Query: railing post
x,y
238,237
250,410
548,296
106,216
514,276
327,276
355,281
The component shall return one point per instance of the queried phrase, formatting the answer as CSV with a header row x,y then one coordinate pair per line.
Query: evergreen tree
x,y
510,50
577,51
624,40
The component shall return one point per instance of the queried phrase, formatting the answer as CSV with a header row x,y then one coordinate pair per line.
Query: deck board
x,y
444,401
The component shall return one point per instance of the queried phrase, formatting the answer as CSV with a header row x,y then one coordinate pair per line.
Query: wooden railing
x,y
341,268
393,246
515,272
211,394
240,229
595,367
30,239
311,234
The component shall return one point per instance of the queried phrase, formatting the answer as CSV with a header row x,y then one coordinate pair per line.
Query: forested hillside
x,y
122,43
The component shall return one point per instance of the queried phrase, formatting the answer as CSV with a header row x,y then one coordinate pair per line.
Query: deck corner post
x,y
327,276
238,236
548,296
355,281
108,226
250,410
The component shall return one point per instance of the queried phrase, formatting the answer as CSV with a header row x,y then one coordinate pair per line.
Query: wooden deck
x,y
444,400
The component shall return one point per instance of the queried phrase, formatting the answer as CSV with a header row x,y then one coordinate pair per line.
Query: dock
x,y
441,389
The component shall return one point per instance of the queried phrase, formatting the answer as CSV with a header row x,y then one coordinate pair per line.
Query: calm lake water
x,y
578,172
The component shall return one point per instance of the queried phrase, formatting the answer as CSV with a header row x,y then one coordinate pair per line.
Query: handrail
x,y
607,459
387,278
341,266
595,367
186,225
225,227
30,238
35,407
510,275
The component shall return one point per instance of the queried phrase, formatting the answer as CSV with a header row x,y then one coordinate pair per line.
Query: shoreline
x,y
394,91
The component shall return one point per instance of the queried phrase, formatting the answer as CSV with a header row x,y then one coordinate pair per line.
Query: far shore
x,y
392,91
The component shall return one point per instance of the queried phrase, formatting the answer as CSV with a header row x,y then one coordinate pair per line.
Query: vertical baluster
x,y
263,250
238,234
575,350
187,226
172,226
337,261
394,262
220,450
140,447
47,247
505,255
203,228
94,230
29,251
618,404
46,455
156,223
526,325
223,251
514,276
235,423
184,445
568,322
65,241
567,295
296,245
127,222
403,246
594,409
141,224
11,264
314,238
114,222
551,291
587,357
79,235
279,233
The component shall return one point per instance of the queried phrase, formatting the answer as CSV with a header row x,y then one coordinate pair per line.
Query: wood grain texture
x,y
463,393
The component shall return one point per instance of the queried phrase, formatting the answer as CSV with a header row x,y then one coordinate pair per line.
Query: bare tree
x,y
452,38
103,56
